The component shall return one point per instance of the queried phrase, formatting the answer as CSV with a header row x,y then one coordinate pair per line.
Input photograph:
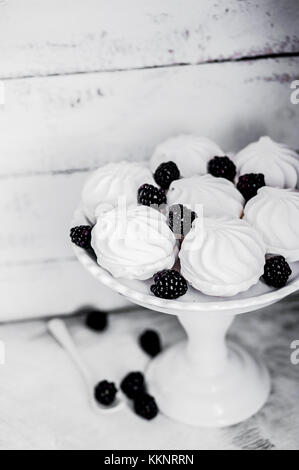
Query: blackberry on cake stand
x,y
204,380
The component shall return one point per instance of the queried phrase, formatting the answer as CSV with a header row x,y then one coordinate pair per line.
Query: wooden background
x,y
90,81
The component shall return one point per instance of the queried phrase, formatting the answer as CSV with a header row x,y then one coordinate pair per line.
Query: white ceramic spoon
x,y
60,332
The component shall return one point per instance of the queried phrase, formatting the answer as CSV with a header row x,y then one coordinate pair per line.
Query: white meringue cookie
x,y
274,212
108,184
222,257
191,153
278,163
218,196
135,243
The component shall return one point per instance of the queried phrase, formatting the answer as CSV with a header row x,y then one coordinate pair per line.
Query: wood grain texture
x,y
71,36
41,390
60,124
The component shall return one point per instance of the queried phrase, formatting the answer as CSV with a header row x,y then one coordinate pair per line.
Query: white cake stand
x,y
204,380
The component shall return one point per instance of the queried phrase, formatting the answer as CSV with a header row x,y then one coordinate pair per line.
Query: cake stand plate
x,y
204,380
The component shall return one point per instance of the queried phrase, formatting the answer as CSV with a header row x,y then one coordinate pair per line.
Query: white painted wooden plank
x,y
36,216
78,122
53,288
66,36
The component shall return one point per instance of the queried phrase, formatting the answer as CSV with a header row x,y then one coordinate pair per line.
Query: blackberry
x,y
277,271
169,284
105,392
97,320
149,195
249,184
133,385
166,173
222,167
81,236
150,342
180,220
145,406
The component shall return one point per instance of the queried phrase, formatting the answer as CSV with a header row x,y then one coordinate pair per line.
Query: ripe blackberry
x,y
249,184
166,173
180,220
222,167
169,284
81,236
277,271
145,406
133,385
105,392
150,343
97,320
149,195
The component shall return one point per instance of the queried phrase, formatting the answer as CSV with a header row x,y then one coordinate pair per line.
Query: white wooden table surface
x,y
43,403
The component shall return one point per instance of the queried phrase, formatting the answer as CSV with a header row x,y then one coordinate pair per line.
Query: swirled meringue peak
x,y
274,212
191,154
222,257
277,162
112,182
134,243
216,197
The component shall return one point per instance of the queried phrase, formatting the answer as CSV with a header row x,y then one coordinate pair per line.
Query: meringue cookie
x,y
134,243
191,153
111,182
218,196
278,163
274,212
222,257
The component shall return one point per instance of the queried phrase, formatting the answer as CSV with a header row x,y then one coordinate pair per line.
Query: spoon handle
x,y
60,332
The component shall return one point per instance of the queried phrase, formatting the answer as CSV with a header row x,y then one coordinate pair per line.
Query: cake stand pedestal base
x,y
204,381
